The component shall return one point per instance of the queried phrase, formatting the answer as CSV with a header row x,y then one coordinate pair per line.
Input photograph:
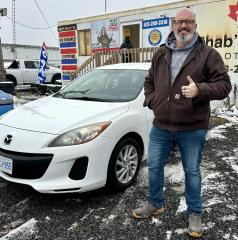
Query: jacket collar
x,y
171,38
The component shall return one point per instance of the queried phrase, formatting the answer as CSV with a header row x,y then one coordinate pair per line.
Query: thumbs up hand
x,y
191,90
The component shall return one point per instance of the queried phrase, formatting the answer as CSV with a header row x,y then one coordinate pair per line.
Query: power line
x,y
46,21
38,28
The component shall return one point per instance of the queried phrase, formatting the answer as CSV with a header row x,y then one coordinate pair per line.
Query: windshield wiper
x,y
82,92
63,94
58,94
90,99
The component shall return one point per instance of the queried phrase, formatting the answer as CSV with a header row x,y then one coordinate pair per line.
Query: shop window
x,y
85,45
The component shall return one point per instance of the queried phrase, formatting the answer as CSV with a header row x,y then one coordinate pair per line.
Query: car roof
x,y
138,66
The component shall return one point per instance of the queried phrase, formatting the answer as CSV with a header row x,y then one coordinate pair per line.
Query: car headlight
x,y
79,135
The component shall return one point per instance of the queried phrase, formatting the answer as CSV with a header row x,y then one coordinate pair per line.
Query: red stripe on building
x,y
68,50
67,34
69,67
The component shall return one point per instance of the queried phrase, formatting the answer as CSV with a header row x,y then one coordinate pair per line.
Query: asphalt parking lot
x,y
26,214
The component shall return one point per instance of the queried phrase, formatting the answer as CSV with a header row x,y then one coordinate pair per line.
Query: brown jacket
x,y
172,110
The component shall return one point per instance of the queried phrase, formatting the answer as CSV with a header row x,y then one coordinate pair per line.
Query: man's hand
x,y
191,90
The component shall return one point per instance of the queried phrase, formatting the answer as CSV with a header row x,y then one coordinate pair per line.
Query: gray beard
x,y
184,38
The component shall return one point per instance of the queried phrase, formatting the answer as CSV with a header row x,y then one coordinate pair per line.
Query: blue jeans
x,y
191,145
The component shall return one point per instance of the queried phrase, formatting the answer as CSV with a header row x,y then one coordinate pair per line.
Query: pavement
x,y
26,214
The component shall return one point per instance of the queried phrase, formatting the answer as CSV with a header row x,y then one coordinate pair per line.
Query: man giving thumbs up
x,y
185,75
190,90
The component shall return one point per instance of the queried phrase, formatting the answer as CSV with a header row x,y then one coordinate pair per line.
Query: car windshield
x,y
106,85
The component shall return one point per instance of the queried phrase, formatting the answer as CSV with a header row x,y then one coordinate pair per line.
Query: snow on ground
x,y
173,173
22,232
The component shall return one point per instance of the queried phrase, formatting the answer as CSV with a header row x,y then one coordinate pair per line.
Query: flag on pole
x,y
43,64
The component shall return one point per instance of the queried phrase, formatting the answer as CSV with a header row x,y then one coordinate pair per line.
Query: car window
x,y
31,64
14,64
107,85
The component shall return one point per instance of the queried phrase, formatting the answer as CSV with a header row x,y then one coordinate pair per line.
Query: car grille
x,y
27,165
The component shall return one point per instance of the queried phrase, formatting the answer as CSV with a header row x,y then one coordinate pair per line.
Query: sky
x,y
28,13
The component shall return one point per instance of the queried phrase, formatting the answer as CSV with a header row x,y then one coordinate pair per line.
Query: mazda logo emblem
x,y
8,139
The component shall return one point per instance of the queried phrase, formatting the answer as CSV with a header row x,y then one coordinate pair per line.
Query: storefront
x,y
149,27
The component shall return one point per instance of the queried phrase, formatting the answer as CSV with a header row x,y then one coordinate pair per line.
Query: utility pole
x,y
14,28
3,12
105,6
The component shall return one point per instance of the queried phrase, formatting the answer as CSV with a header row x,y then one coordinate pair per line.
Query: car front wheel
x,y
124,164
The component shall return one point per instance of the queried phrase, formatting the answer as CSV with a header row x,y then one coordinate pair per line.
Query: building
x,y
30,52
81,39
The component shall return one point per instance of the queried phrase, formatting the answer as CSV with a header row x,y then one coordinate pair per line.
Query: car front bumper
x,y
56,179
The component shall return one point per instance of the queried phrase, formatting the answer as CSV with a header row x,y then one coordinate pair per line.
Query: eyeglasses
x,y
179,23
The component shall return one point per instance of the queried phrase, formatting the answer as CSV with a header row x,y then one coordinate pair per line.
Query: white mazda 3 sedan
x,y
92,133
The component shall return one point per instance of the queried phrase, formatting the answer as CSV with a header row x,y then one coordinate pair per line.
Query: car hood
x,y
56,115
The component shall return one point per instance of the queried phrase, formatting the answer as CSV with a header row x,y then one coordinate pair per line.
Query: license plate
x,y
6,165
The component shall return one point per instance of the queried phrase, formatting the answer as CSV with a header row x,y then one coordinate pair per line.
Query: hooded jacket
x,y
172,110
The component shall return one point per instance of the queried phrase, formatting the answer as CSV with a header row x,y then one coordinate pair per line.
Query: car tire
x,y
123,169
11,78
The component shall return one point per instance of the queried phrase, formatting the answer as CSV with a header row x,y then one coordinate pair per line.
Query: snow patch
x,y
209,225
228,218
181,231
210,183
108,219
182,206
232,161
174,173
227,236
168,235
215,133
73,226
156,221
22,232
213,201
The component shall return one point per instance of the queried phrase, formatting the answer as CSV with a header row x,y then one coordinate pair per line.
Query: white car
x,y
92,133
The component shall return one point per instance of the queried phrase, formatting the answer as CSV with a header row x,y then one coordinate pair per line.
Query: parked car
x,y
90,134
6,102
25,71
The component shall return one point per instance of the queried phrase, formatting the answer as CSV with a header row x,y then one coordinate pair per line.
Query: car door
x,y
149,116
30,74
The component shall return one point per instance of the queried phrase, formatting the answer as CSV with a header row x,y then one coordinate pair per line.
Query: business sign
x,y
68,50
105,35
42,64
155,31
218,25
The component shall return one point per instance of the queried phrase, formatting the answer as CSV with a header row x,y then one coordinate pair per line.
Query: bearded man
x,y
185,75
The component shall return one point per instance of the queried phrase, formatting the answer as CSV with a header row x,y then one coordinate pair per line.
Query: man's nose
x,y
184,23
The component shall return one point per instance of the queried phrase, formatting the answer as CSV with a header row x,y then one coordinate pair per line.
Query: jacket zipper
x,y
168,98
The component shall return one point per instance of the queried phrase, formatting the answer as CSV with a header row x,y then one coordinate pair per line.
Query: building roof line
x,y
144,10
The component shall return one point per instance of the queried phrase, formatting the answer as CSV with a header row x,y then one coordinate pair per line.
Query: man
x,y
185,75
127,45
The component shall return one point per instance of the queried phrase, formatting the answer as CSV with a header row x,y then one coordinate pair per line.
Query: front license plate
x,y
6,165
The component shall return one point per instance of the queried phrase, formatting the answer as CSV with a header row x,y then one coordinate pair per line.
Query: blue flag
x,y
43,63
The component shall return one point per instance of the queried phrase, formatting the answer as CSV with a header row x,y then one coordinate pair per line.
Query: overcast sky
x,y
28,14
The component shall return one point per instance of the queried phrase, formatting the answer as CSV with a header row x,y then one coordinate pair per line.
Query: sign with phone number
x,y
233,69
154,23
